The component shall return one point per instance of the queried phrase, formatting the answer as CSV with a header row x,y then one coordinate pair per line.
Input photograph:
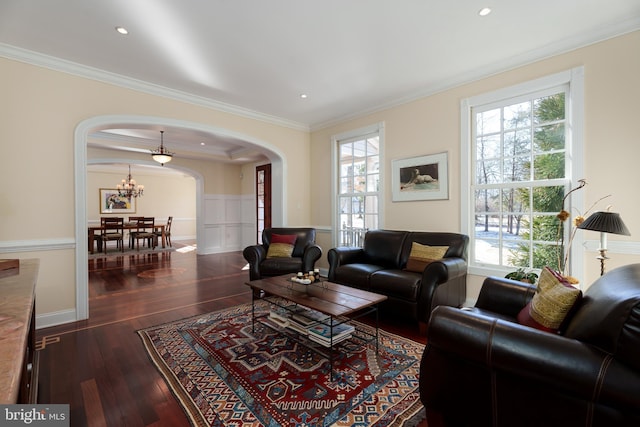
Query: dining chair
x,y
132,233
167,231
97,235
112,229
146,231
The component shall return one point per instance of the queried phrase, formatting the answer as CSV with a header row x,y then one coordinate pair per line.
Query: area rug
x,y
226,373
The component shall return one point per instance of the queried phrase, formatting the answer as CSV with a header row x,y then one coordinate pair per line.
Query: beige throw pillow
x,y
423,255
281,246
551,304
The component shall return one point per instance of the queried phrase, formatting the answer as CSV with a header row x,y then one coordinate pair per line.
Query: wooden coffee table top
x,y
327,297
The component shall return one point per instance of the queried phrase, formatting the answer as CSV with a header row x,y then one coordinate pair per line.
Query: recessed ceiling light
x,y
303,96
202,143
122,30
484,11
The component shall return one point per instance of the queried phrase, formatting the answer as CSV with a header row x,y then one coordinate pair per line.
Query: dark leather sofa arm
x,y
254,255
312,253
504,296
343,255
572,367
442,271
435,274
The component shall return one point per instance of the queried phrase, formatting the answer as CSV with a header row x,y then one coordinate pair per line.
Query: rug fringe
x,y
415,419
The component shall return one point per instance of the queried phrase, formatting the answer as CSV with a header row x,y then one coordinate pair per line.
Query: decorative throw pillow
x,y
551,304
423,255
281,245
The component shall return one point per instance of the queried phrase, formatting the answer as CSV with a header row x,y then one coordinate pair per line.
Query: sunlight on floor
x,y
186,249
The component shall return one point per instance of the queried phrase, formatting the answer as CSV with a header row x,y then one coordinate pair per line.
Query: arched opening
x,y
82,132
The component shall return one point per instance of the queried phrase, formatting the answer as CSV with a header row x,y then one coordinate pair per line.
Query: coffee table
x,y
341,303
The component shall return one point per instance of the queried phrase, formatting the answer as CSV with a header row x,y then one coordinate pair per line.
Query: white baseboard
x,y
56,318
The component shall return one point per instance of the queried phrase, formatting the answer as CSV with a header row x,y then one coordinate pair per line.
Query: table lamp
x,y
605,222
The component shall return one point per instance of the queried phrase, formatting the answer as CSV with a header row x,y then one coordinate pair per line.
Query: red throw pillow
x,y
284,238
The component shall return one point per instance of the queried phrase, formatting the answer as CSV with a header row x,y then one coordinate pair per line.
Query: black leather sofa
x,y
481,368
379,267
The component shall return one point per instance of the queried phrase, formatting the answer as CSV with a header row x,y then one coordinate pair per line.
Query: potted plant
x,y
523,276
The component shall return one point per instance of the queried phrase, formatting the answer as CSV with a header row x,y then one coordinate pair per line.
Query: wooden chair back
x,y
112,229
145,230
145,224
112,225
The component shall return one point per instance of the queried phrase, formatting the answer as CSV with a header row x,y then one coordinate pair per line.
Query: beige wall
x,y
164,196
40,111
432,125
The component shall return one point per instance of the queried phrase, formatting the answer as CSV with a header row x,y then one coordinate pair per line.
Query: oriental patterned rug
x,y
226,374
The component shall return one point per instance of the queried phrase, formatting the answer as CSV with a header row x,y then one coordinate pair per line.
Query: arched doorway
x,y
82,132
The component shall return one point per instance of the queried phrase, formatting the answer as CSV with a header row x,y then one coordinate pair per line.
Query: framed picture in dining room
x,y
112,202
420,178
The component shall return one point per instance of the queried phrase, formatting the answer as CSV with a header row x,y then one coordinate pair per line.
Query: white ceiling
x,y
257,57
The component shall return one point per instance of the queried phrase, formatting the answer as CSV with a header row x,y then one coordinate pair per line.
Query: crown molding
x,y
567,45
64,66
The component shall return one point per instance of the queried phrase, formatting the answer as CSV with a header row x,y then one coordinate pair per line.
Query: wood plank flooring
x,y
99,367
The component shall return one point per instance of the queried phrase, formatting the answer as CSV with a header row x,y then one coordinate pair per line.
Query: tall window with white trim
x,y
358,187
521,163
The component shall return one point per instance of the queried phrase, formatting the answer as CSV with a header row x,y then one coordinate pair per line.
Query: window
x,y
522,151
358,189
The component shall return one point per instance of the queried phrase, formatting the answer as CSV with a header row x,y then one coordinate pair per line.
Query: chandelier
x,y
160,154
128,187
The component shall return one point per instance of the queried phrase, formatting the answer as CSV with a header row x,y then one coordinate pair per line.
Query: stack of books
x,y
310,323
327,335
279,317
298,318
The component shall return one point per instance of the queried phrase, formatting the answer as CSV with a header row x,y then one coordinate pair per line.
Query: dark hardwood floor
x,y
99,366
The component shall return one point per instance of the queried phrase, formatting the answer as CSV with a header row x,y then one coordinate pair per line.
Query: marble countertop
x,y
17,293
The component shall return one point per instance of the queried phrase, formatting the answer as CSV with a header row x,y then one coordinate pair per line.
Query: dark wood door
x,y
263,199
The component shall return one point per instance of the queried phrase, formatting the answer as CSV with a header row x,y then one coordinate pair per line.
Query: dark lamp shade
x,y
606,222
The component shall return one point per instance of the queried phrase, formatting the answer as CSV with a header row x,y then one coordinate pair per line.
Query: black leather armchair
x,y
481,368
305,254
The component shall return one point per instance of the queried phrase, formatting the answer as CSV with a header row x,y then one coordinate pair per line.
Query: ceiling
x,y
257,57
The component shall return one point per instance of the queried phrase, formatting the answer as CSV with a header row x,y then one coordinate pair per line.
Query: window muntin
x,y
358,187
519,162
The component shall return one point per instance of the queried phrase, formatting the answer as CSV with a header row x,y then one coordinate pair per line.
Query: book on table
x,y
327,334
311,323
308,317
328,343
279,318
302,330
296,317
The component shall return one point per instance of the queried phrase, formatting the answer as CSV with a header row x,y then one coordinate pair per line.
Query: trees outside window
x,y
521,157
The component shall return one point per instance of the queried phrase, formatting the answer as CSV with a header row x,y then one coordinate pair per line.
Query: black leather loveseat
x,y
481,368
380,266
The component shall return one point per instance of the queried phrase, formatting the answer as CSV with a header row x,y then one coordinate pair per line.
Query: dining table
x,y
127,226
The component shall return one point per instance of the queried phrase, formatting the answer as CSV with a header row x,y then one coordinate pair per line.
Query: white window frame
x,y
377,128
574,143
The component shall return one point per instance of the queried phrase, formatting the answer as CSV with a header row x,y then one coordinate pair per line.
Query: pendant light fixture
x,y
128,187
160,154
